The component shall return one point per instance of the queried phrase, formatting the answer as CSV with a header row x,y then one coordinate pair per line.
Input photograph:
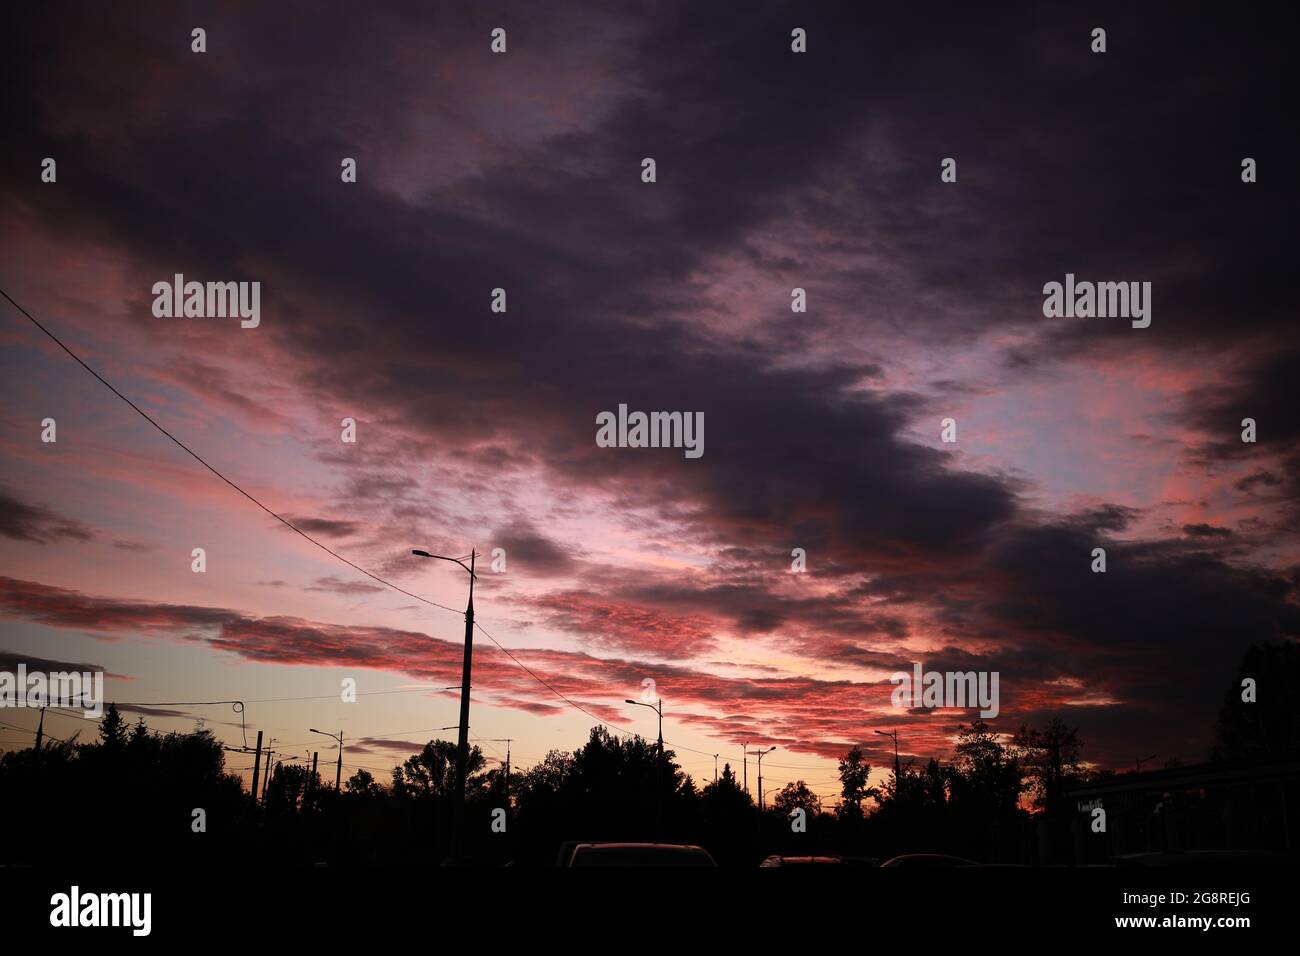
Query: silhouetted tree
x,y
796,794
983,777
724,797
1052,763
727,816
855,774
287,789
363,784
112,728
432,772
136,790
1269,727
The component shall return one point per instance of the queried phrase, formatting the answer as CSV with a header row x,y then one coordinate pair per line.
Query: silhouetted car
x,y
565,853
775,860
926,861
1177,858
639,854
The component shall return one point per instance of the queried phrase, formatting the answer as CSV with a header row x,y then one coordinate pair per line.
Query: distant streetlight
x,y
659,773
894,735
506,741
338,774
761,755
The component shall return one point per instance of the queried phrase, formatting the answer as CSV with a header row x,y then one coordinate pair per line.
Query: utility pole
x,y
659,769
462,735
266,780
338,774
40,730
314,755
462,740
257,764
744,750
659,795
270,767
894,734
761,755
506,741
715,769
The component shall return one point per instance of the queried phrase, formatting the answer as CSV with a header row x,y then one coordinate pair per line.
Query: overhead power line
x,y
185,448
330,551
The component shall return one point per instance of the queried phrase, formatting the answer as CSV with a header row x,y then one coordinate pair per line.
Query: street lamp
x,y
894,735
506,741
462,742
659,773
266,779
338,774
761,755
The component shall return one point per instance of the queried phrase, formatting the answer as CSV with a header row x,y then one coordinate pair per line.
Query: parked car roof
x,y
927,861
639,854
777,860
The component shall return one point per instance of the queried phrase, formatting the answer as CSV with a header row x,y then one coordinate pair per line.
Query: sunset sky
x,y
476,429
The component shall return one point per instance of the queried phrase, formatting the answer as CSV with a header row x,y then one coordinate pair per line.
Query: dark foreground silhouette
x,y
1026,799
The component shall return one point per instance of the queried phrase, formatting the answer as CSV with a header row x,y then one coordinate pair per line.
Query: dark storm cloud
x,y
9,661
161,712
335,585
1158,630
1105,518
27,521
329,527
530,551
1203,530
376,743
1067,162
731,125
1265,390
751,604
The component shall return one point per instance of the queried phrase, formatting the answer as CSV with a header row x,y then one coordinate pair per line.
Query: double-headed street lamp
x,y
338,774
462,741
893,734
506,741
659,773
761,755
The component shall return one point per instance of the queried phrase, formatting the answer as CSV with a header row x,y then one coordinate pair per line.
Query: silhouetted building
x,y
1214,806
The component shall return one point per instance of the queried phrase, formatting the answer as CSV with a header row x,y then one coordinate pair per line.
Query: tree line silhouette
x,y
133,793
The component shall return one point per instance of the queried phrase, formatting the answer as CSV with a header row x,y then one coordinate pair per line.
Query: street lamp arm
x,y
640,703
426,554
